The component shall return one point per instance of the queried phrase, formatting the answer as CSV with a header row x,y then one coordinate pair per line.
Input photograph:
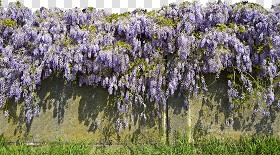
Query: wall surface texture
x,y
70,112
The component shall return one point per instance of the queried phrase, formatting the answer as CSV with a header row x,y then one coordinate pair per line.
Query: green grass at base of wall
x,y
256,145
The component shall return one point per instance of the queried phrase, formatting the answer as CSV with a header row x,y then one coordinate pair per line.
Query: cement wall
x,y
71,113
208,117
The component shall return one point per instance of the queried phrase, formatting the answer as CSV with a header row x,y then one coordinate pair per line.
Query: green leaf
x,y
90,9
230,76
241,29
221,27
18,4
260,48
123,44
8,22
231,25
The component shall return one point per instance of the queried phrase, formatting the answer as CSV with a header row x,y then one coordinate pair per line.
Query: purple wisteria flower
x,y
141,58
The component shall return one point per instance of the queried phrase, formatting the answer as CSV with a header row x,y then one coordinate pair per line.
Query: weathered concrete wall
x,y
71,112
208,117
87,113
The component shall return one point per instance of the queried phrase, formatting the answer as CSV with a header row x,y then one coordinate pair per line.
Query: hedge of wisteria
x,y
142,57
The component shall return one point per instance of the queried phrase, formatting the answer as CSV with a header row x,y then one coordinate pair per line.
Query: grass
x,y
256,145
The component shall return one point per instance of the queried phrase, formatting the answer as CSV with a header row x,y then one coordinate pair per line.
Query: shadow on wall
x,y
89,113
209,113
87,110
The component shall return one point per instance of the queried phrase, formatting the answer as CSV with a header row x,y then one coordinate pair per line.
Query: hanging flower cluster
x,y
142,57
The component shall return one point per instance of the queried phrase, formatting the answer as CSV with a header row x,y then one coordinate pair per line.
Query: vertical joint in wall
x,y
189,129
166,123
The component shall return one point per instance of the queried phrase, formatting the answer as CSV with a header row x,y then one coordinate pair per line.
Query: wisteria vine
x,y
142,57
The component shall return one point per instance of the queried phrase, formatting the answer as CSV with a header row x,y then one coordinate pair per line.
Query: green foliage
x,y
18,4
90,9
256,145
221,27
107,47
68,42
184,4
151,13
224,27
256,6
231,25
261,145
241,29
119,44
124,45
8,22
196,34
92,28
163,21
115,16
222,50
260,49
